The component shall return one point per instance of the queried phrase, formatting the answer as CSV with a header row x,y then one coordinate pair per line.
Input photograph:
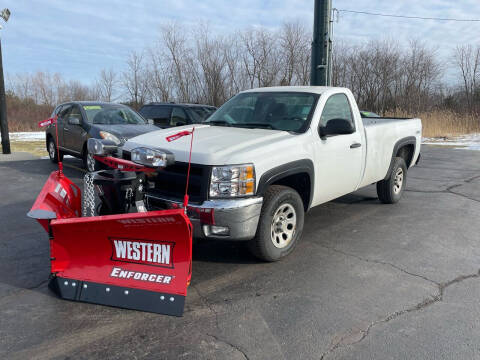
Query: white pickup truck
x,y
268,155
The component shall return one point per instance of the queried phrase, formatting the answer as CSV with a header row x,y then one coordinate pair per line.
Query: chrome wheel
x,y
90,162
51,149
398,181
284,224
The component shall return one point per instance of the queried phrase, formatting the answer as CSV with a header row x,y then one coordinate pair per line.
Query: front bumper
x,y
240,216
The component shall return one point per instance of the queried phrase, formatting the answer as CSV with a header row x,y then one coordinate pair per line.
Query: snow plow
x,y
120,254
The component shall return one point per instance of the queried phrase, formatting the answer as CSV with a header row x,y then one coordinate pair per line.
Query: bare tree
x,y
22,85
162,82
387,77
44,87
236,76
295,54
210,53
106,84
467,59
181,60
260,57
135,80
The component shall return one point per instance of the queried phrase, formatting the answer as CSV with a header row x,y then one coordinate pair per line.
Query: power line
x,y
407,17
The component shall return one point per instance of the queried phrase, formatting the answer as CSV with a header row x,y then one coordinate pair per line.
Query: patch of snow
x,y
27,136
471,147
64,156
465,142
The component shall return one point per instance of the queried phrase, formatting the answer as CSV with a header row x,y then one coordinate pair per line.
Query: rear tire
x,y
391,189
52,151
280,224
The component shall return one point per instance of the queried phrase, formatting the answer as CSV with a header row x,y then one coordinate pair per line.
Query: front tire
x,y
280,224
52,151
89,162
390,190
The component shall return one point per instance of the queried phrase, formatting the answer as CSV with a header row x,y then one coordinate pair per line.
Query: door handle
x,y
355,145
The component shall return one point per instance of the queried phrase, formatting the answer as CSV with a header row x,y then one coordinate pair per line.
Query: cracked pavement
x,y
367,281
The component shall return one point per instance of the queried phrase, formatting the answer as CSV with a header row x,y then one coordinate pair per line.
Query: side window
x,y
178,117
337,107
57,110
75,112
64,111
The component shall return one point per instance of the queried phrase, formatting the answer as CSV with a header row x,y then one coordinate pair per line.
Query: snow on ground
x,y
64,156
27,136
466,142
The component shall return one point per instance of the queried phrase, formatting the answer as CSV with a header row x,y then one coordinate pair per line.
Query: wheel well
x,y
406,152
84,149
300,183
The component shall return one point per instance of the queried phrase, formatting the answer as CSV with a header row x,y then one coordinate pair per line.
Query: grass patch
x,y
36,148
444,123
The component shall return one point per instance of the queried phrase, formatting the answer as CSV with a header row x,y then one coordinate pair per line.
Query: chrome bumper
x,y
240,216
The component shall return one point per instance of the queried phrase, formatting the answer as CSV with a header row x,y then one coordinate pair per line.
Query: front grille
x,y
170,182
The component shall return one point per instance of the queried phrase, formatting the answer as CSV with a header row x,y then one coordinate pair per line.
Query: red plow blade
x,y
139,261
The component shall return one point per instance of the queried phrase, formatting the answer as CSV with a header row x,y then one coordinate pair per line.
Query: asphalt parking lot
x,y
367,281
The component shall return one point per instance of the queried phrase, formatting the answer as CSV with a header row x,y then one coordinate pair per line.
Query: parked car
x,y
269,155
166,115
80,120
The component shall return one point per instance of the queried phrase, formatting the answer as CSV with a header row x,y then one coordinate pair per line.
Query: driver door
x,y
74,134
339,158
61,121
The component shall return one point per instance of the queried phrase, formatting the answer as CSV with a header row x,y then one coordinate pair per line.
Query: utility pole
x,y
5,14
320,74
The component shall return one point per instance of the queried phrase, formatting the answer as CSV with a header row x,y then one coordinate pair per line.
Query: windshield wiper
x,y
256,125
242,125
218,123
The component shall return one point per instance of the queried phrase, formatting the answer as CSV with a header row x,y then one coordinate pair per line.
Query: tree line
x,y
202,67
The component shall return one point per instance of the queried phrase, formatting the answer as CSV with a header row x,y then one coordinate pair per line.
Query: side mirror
x,y
72,120
336,127
150,122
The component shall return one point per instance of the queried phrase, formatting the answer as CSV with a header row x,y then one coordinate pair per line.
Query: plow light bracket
x,y
152,157
101,147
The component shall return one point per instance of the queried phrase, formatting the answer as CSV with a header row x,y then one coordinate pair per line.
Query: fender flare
x,y
409,140
285,170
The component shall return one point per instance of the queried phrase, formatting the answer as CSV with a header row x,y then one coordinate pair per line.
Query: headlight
x,y
108,136
151,157
101,147
232,181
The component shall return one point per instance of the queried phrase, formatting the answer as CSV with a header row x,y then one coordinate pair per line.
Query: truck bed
x,y
382,134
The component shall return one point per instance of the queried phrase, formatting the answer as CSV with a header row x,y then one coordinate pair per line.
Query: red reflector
x,y
206,216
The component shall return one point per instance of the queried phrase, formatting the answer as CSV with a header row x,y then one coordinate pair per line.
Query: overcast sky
x,y
79,38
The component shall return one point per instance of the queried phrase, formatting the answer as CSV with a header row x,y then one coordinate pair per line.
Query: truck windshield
x,y
287,111
199,114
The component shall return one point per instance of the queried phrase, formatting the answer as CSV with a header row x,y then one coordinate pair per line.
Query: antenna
x,y
177,136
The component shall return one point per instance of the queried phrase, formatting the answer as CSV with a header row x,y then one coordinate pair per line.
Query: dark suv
x,y
80,120
167,115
